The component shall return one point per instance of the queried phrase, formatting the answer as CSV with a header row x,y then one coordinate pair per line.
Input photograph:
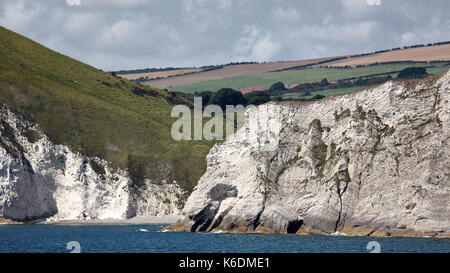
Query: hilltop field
x,y
420,54
227,71
289,77
259,76
160,74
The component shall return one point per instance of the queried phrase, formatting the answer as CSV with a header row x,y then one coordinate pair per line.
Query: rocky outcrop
x,y
375,162
42,180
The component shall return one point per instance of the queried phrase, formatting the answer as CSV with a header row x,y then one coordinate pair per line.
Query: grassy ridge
x,y
327,92
96,113
265,80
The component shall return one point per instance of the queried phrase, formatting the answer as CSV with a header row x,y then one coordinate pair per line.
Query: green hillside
x,y
96,113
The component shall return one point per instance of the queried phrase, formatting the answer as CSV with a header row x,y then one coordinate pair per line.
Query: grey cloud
x,y
116,34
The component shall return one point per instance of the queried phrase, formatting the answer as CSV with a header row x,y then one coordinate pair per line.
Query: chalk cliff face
x,y
41,180
376,162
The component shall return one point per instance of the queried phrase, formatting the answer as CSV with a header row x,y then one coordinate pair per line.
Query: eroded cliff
x,y
42,180
376,162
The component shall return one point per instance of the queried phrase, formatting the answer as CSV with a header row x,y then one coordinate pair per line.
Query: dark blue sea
x,y
148,239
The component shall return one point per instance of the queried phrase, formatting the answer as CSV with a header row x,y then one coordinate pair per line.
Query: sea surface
x,y
149,239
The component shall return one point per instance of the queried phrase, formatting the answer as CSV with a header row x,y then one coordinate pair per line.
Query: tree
x,y
323,83
257,98
227,96
277,87
412,72
206,96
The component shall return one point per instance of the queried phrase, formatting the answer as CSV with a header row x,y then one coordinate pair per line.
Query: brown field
x,y
431,53
162,74
229,71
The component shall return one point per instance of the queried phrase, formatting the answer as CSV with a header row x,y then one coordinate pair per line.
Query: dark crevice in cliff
x,y
257,221
203,219
131,206
340,193
266,184
217,194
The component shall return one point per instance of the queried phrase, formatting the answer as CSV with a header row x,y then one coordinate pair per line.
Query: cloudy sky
x,y
130,34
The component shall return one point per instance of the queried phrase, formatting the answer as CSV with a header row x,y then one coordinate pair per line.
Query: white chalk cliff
x,y
375,162
42,180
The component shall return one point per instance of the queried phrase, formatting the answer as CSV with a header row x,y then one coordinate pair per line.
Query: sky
x,y
132,34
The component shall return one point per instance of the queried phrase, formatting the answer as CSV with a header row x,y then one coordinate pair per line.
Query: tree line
x,y
229,96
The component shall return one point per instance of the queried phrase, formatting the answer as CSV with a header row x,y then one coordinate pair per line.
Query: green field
x,y
265,80
96,113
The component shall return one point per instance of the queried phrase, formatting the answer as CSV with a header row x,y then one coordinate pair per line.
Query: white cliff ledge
x,y
40,180
375,162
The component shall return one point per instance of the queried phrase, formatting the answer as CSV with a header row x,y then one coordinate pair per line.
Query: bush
x,y
412,72
324,83
277,87
257,98
318,97
32,135
227,96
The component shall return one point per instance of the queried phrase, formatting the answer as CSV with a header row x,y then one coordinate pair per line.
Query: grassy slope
x,y
265,80
96,113
343,91
328,92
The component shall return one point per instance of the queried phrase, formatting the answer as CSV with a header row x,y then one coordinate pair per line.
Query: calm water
x,y
124,239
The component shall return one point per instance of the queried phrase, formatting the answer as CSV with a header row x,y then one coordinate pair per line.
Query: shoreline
x,y
8,222
184,226
175,225
141,220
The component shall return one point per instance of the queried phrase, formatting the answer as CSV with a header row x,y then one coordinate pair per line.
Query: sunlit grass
x,y
96,113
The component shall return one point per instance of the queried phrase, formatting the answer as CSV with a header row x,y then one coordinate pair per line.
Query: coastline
x,y
141,220
183,226
8,222
175,224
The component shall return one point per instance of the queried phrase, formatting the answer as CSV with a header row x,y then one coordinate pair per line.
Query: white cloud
x,y
408,38
115,3
285,14
73,2
224,4
19,14
119,34
80,23
256,45
264,50
348,33
356,4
